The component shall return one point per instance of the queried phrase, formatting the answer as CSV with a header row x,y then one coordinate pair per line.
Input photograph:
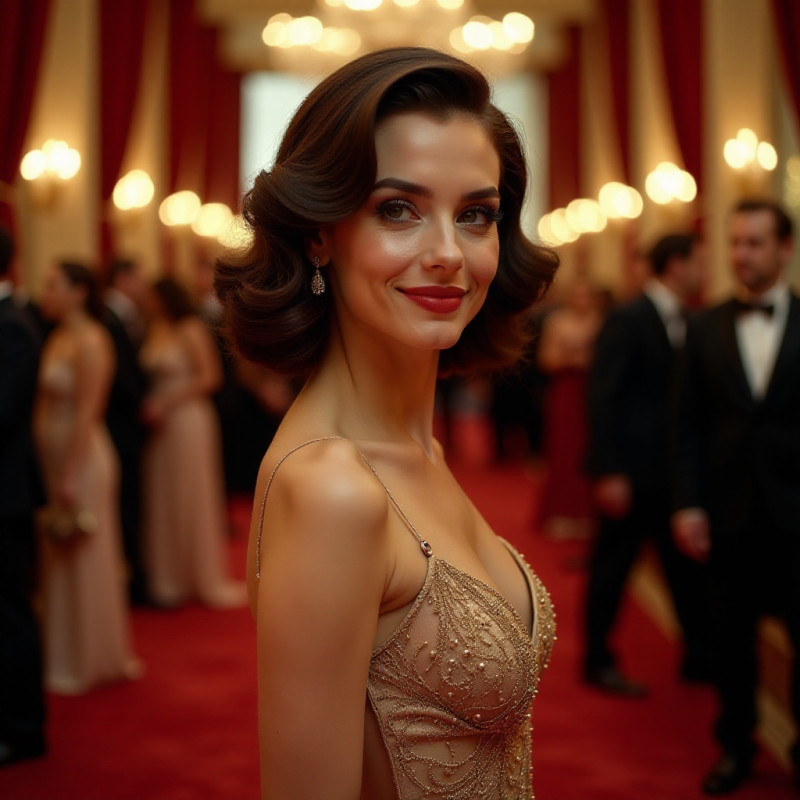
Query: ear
x,y
316,247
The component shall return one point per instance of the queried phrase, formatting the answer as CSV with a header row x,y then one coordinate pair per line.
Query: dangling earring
x,y
317,281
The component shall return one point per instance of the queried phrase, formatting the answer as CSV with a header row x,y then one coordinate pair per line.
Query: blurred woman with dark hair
x,y
400,641
184,515
85,614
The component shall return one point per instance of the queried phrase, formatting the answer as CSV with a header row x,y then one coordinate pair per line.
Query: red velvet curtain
x,y
204,112
191,50
564,120
617,19
122,27
22,29
681,23
223,148
787,26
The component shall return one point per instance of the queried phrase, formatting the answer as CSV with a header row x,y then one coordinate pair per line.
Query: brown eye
x,y
479,216
397,211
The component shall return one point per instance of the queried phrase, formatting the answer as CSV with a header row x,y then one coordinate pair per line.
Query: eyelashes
x,y
400,210
493,215
396,210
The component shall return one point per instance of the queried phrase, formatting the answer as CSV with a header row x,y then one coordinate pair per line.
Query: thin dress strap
x,y
424,545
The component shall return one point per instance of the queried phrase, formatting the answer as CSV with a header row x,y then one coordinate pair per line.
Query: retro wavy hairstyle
x,y
324,172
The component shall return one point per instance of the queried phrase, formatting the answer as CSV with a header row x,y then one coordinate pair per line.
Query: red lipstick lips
x,y
439,299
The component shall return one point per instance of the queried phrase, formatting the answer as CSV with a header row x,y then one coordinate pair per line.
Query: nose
x,y
738,250
441,250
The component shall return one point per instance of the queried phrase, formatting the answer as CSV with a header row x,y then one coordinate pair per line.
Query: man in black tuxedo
x,y
123,299
737,469
22,710
629,412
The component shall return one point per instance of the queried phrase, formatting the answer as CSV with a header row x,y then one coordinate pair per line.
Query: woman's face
x,y
413,265
59,296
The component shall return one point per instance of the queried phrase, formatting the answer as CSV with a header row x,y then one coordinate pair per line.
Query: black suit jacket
x,y
127,390
629,396
732,449
20,487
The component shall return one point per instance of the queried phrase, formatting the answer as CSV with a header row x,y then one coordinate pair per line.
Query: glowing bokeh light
x,y
133,190
180,208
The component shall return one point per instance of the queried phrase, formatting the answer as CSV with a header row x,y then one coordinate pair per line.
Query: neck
x,y
75,317
375,393
759,291
673,284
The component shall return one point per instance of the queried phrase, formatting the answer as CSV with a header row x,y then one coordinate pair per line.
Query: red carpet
x,y
187,729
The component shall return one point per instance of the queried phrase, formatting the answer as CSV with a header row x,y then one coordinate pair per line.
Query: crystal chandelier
x,y
343,29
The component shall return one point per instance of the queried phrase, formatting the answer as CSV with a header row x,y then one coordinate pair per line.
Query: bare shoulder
x,y
328,478
94,342
323,505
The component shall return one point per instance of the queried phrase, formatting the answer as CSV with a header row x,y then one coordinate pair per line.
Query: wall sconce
x,y
135,189
554,228
585,215
745,151
212,220
750,160
180,208
668,182
236,235
620,201
48,168
566,225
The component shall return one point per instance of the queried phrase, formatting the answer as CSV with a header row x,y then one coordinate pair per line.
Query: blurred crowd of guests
x,y
113,472
662,423
676,424
656,420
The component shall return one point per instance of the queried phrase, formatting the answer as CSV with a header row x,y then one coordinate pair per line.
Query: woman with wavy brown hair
x,y
400,641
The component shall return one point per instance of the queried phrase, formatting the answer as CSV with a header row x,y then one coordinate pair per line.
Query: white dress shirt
x,y
759,337
127,311
6,289
670,309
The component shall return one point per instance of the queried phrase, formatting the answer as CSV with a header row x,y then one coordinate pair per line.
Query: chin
x,y
446,342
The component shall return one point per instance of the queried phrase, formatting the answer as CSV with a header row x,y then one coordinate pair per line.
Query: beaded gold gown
x,y
451,690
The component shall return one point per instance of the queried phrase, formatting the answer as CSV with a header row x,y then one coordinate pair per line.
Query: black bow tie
x,y
743,307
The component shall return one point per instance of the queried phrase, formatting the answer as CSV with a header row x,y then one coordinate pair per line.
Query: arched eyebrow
x,y
424,191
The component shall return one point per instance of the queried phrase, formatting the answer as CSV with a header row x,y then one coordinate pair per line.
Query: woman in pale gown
x,y
85,613
184,499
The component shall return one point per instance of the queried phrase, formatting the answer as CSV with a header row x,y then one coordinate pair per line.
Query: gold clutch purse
x,y
66,524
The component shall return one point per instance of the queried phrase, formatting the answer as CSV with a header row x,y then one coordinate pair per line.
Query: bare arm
x,y
323,574
94,368
204,356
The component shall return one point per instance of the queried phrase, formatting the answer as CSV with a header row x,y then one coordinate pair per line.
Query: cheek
x,y
372,256
485,267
